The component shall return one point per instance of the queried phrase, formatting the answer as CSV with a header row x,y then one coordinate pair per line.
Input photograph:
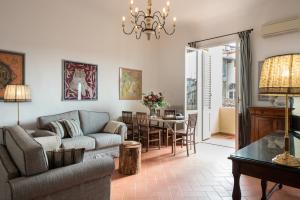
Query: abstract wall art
x,y
80,81
130,84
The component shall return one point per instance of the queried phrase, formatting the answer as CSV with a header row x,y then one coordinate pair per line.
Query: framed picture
x,y
12,70
80,81
130,84
261,97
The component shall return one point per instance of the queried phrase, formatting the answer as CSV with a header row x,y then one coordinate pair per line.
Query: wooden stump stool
x,y
130,158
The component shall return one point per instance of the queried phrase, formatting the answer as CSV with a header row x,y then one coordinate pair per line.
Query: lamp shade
x,y
17,93
280,75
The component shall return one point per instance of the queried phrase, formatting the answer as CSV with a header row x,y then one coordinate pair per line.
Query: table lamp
x,y
17,93
280,76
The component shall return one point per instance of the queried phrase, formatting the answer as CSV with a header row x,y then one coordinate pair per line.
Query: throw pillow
x,y
73,128
112,127
57,127
64,157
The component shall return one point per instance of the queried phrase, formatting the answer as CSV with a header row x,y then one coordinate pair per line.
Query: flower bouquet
x,y
154,102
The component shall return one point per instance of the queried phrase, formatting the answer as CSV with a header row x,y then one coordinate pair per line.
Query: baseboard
x,y
222,133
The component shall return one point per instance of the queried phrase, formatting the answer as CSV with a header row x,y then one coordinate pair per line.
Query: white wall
x,y
261,12
86,31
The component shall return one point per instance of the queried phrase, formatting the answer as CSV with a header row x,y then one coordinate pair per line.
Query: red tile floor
x,y
205,175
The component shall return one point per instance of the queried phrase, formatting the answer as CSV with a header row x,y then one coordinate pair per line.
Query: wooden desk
x,y
256,160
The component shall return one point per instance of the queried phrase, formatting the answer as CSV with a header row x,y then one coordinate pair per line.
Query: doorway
x,y
212,92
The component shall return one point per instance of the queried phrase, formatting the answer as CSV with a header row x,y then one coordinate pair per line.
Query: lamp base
x,y
286,159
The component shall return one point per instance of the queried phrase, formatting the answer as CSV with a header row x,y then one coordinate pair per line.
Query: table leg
x,y
175,129
236,194
264,185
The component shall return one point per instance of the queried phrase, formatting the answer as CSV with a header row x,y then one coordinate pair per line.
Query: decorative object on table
x,y
80,81
263,97
130,87
281,77
278,101
130,158
154,102
148,22
17,93
12,70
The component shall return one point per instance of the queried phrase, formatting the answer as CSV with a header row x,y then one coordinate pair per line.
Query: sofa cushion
x,y
8,170
104,140
78,142
93,122
73,128
49,143
43,122
58,128
27,154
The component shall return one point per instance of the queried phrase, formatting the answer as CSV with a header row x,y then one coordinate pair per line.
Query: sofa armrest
x,y
123,131
60,179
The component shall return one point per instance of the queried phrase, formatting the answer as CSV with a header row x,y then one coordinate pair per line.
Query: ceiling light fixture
x,y
148,22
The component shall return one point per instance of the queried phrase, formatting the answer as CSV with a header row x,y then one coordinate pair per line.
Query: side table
x,y
130,158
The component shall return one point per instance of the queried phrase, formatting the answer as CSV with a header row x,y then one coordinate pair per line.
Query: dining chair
x,y
147,133
132,131
188,135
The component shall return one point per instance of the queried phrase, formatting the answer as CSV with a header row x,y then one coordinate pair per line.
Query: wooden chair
x,y
188,136
132,131
147,133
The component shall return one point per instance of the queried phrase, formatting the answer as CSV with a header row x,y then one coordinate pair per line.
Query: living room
x,y
42,43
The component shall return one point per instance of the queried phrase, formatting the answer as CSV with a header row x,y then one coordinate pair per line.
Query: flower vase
x,y
152,112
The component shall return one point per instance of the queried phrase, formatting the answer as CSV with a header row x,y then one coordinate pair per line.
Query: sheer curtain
x,y
245,87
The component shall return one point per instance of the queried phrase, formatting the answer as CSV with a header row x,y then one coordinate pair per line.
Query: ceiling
x,y
201,10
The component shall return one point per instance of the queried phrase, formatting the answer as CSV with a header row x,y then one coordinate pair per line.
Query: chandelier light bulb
x,y
123,19
168,3
136,10
131,2
174,19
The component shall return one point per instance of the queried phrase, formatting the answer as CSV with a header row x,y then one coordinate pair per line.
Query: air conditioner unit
x,y
281,27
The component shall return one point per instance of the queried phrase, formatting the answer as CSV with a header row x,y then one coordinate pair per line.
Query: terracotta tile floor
x,y
205,175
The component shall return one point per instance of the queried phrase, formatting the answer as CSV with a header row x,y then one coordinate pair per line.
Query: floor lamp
x,y
17,94
280,76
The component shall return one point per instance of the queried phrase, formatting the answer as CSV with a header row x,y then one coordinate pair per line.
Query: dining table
x,y
172,125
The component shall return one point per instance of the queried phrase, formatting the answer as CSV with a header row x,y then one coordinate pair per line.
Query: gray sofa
x,y
24,173
92,124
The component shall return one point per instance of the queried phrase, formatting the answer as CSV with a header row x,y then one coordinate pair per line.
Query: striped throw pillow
x,y
72,127
58,128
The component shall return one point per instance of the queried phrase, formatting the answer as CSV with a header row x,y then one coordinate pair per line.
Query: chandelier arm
x,y
128,33
159,19
155,25
169,33
141,25
138,36
156,13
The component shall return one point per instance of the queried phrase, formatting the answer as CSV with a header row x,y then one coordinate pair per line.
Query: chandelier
x,y
148,22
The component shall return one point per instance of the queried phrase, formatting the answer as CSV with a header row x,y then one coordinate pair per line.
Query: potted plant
x,y
154,102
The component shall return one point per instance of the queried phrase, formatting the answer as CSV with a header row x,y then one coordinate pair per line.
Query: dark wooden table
x,y
255,160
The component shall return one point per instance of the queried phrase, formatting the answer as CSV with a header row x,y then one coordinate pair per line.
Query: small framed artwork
x,y
130,84
261,97
12,70
80,81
